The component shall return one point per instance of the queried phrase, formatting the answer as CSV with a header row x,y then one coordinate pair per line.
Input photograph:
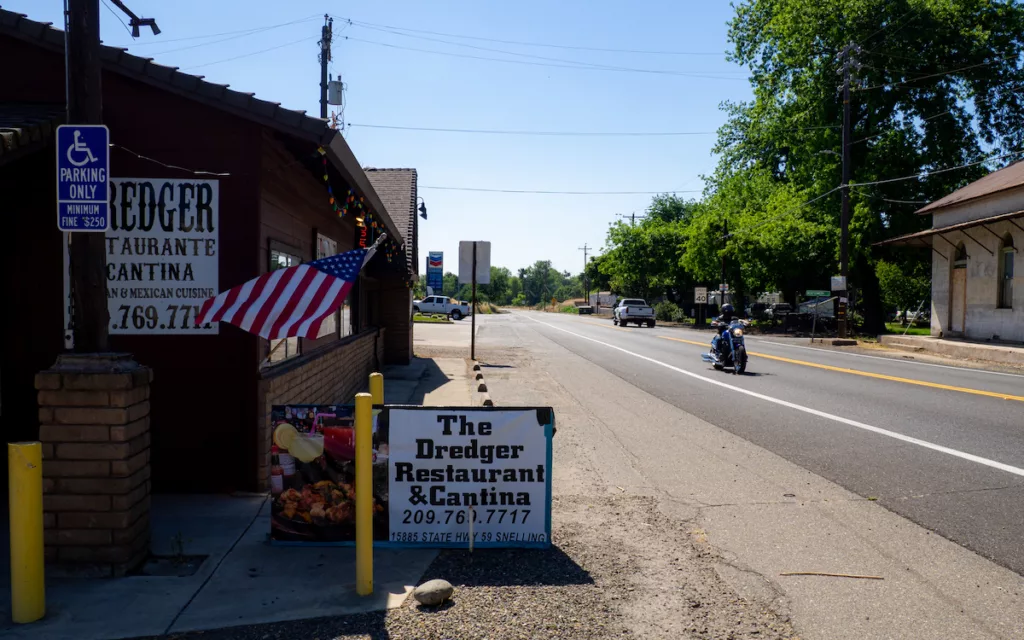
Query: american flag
x,y
289,302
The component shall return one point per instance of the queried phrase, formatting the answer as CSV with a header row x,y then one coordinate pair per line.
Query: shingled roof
x,y
397,190
24,128
218,96
1006,178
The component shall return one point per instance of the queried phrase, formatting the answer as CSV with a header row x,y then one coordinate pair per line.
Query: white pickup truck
x,y
633,310
442,304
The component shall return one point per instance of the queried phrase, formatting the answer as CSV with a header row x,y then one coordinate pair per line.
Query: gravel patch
x,y
618,569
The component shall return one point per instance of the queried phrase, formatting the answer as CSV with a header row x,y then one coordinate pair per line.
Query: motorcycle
x,y
728,350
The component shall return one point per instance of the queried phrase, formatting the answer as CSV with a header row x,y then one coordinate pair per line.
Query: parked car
x,y
442,304
757,311
778,311
633,310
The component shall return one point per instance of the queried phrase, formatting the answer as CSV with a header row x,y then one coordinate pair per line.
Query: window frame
x,y
1004,276
278,351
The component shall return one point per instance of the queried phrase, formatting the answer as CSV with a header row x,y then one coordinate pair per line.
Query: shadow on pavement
x,y
508,567
362,625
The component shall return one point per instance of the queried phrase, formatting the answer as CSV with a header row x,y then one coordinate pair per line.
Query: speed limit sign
x,y
700,295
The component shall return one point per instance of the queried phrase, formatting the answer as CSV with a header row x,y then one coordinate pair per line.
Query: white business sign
x,y
162,255
700,295
461,474
483,262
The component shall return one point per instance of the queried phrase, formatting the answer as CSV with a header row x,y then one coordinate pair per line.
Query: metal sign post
x,y
700,298
472,312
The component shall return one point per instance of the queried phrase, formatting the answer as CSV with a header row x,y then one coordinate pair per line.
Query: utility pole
x,y
326,33
844,216
586,284
725,244
90,317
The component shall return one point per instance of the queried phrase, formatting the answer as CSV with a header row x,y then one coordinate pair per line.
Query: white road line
x,y
895,360
821,414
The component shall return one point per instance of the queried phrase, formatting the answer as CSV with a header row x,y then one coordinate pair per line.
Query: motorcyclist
x,y
722,321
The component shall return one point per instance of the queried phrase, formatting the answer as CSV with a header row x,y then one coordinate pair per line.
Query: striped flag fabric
x,y
289,302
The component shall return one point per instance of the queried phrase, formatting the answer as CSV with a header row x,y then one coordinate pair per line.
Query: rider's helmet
x,y
727,310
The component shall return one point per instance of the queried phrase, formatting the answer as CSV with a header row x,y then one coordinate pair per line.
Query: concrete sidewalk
x,y
241,579
958,349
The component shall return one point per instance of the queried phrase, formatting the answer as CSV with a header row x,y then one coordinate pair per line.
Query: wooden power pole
x,y
844,216
90,318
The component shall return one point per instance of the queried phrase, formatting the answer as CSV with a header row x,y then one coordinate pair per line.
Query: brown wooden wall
x,y
204,391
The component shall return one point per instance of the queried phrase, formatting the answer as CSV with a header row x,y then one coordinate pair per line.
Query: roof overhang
x,y
925,238
340,155
244,105
27,128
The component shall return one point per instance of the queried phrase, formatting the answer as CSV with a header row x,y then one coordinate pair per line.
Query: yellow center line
x,y
868,374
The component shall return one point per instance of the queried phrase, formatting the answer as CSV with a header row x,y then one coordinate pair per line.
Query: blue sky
x,y
399,87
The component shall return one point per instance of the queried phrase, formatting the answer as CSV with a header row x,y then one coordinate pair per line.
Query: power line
x,y
249,31
925,174
932,117
934,75
533,44
562,133
253,53
538,133
571,193
116,15
544,64
510,53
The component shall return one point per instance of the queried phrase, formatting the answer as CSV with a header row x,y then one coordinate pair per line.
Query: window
x,y
960,257
340,323
1006,254
286,347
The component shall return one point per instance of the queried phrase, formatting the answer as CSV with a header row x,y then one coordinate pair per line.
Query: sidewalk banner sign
x,y
313,475
442,476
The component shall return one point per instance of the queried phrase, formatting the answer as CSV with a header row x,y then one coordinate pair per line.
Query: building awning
x,y
925,238
26,128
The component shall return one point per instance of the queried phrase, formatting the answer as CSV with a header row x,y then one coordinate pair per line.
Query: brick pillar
x,y
94,426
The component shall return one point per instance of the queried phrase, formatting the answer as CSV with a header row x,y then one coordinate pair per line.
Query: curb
x,y
481,388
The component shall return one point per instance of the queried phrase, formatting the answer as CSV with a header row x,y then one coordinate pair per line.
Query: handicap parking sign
x,y
83,176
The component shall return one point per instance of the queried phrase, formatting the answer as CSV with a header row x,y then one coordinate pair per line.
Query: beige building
x,y
976,237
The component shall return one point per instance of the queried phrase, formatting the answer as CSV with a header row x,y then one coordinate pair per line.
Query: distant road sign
x,y
818,293
83,177
839,283
700,295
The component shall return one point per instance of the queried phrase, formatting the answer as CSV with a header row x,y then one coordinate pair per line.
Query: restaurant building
x,y
210,187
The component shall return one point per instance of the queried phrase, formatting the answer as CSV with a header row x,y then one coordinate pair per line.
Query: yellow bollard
x,y
25,481
364,494
377,388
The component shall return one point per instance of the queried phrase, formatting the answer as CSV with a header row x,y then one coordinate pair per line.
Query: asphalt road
x,y
941,446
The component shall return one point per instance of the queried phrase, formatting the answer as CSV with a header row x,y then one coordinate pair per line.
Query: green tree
x,y
904,285
938,88
449,285
499,290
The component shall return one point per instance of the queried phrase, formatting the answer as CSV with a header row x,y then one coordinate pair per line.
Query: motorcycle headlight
x,y
737,332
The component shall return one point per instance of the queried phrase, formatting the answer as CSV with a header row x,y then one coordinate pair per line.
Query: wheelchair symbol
x,y
80,147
